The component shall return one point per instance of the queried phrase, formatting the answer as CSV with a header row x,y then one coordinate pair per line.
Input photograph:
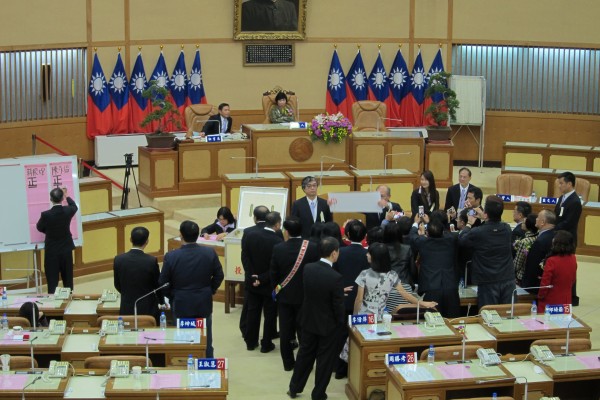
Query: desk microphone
x,y
255,165
37,378
386,119
512,300
31,352
370,176
418,301
391,154
515,380
148,339
135,316
330,158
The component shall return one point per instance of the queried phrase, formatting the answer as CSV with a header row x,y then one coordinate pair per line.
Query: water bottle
x,y
533,309
533,197
190,364
494,396
120,326
4,322
163,321
431,355
4,296
547,313
461,286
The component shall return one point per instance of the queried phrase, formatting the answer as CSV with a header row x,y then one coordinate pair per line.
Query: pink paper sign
x,y
61,175
38,197
12,342
160,381
533,324
408,331
12,382
455,371
154,337
589,361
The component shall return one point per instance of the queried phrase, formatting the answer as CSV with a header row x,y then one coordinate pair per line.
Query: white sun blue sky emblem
x,y
418,78
335,79
117,82
179,80
161,79
359,79
398,78
98,83
138,82
433,71
195,79
379,78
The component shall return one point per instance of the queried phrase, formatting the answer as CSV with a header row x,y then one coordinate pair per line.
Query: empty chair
x,y
369,115
558,346
268,101
452,353
146,321
504,309
103,362
515,184
408,312
18,321
22,362
196,116
582,188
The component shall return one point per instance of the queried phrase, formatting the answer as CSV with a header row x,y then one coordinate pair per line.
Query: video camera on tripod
x,y
128,171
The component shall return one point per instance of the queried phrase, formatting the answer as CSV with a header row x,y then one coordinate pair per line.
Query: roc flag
x,y
337,99
99,115
139,107
357,79
179,87
436,66
379,88
161,75
412,105
196,85
119,94
399,88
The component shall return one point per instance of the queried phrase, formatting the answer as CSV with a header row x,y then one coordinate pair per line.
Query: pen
x,y
537,320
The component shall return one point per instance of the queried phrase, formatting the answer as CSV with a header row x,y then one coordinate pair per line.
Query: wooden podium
x,y
231,183
402,149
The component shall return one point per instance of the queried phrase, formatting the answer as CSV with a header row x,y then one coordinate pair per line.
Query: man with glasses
x,y
311,208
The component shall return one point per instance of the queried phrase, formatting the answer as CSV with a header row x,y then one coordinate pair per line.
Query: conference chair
x,y
103,362
268,101
369,115
582,188
408,312
515,184
558,346
196,116
504,309
452,353
144,321
18,321
22,362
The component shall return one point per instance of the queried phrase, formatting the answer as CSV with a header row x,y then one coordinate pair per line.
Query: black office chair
x,y
408,312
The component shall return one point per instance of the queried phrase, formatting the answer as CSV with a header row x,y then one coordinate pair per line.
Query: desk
x,y
370,149
45,348
95,195
78,347
231,184
577,376
538,155
446,380
538,385
366,367
51,307
81,313
12,385
468,298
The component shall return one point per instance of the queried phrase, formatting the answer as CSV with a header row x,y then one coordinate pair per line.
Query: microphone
x,y
512,300
37,378
33,318
31,352
386,119
255,165
418,301
146,295
515,379
388,155
330,158
370,177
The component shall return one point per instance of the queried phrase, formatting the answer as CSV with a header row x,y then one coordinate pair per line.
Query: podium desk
x,y
370,149
401,182
330,181
46,347
439,159
538,385
85,387
169,347
13,386
576,376
81,313
231,184
447,380
51,307
516,335
366,367
95,195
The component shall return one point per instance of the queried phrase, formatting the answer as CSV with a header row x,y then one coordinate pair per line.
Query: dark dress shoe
x,y
267,348
288,367
292,395
340,375
251,347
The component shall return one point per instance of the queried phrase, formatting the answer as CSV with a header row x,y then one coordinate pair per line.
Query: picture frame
x,y
269,19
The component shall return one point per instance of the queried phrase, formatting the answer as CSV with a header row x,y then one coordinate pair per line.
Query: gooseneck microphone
x,y
135,316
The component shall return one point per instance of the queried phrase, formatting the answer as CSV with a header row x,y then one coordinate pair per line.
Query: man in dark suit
x,y
289,297
350,263
194,274
457,194
568,210
520,213
311,208
58,244
219,123
388,207
259,249
322,322
545,222
136,274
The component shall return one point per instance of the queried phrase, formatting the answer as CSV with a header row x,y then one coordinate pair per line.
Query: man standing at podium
x,y
311,208
58,244
219,123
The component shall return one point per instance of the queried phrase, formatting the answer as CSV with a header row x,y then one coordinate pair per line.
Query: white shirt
x,y
326,261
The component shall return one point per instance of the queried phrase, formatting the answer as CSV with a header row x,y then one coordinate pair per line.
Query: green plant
x,y
160,107
445,102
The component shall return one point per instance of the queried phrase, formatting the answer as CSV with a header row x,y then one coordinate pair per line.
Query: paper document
x,y
354,202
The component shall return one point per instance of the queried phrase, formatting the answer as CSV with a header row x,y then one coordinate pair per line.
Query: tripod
x,y
128,171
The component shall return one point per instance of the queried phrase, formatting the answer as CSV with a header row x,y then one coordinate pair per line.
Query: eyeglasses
x,y
311,185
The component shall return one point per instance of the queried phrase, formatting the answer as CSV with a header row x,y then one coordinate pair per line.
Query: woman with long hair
x,y
224,224
426,195
560,270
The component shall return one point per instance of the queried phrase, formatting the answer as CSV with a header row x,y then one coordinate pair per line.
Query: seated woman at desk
x,y
224,224
28,310
281,111
426,195
560,270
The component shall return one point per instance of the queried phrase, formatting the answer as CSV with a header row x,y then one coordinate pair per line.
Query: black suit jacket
x,y
437,260
323,306
350,263
259,249
416,200
453,196
194,273
537,253
55,223
282,262
136,274
212,128
374,219
301,209
569,218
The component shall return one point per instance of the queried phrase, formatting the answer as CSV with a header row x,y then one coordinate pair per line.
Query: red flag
x,y
337,91
139,107
178,88
411,108
119,95
99,115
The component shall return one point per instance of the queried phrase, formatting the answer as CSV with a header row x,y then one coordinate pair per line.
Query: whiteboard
x,y
27,182
470,92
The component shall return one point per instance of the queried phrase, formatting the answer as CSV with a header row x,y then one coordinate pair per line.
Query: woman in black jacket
x,y
224,224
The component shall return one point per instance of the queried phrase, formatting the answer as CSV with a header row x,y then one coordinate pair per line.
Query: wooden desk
x,y
79,346
370,150
468,299
576,376
538,385
12,385
45,347
366,367
81,313
439,159
46,303
95,195
539,155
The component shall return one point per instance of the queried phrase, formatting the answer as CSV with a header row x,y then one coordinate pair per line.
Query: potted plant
x,y
442,110
161,108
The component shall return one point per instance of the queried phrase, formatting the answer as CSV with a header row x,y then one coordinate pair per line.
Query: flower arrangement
x,y
330,127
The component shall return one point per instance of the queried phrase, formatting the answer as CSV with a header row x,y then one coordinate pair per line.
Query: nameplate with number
x,y
297,125
556,309
548,200
361,319
213,138
212,363
191,323
504,197
400,358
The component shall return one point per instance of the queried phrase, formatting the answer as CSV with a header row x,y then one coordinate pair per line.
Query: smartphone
x,y
421,211
452,228
472,213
